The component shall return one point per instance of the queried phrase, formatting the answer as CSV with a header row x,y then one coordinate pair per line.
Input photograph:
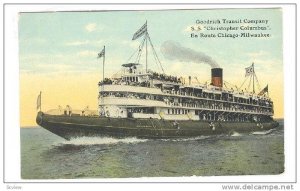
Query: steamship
x,y
138,102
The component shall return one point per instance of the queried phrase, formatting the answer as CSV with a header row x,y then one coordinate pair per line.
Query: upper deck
x,y
133,79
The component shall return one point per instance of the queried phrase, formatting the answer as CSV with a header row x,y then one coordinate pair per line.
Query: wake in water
x,y
263,132
236,134
187,139
100,141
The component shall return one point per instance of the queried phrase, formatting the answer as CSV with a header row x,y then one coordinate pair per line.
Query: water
x,y
47,156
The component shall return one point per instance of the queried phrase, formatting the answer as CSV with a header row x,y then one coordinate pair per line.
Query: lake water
x,y
47,156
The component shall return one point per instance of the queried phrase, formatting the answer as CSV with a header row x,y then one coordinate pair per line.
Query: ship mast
x,y
253,90
146,51
102,87
143,31
250,74
102,54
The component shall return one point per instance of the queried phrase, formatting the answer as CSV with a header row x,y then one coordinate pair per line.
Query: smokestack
x,y
217,77
190,78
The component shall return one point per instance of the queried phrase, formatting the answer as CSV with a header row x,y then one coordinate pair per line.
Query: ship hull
x,y
69,127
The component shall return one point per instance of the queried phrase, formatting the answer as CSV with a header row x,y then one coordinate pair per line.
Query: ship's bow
x,y
39,118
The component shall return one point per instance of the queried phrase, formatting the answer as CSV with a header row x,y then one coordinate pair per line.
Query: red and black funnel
x,y
217,77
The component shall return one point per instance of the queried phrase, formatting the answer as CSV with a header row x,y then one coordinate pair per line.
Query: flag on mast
x,y
140,32
249,70
102,53
266,89
38,101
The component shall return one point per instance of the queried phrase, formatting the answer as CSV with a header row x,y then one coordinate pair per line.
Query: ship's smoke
x,y
174,51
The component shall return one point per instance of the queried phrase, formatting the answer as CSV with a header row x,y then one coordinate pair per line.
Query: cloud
x,y
87,53
90,27
33,40
84,42
49,63
53,67
258,54
132,44
77,43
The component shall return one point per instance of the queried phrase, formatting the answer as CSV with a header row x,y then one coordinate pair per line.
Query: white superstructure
x,y
139,94
142,93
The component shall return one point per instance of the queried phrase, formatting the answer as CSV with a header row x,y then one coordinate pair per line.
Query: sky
x,y
58,52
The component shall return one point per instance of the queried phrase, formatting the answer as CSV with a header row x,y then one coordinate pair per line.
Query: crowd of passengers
x,y
108,81
199,95
189,92
164,77
154,75
189,102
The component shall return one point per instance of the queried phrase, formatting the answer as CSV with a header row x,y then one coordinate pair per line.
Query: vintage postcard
x,y
151,93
